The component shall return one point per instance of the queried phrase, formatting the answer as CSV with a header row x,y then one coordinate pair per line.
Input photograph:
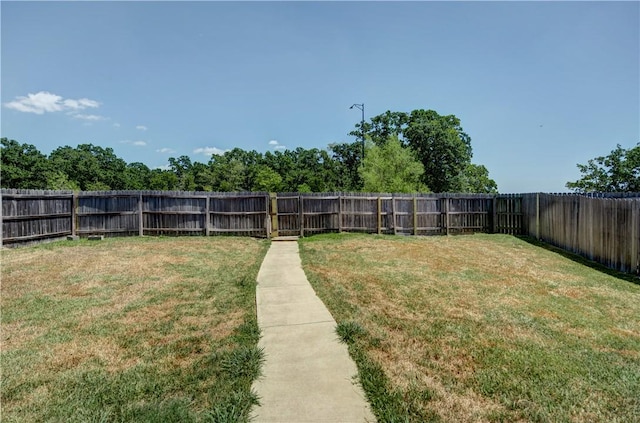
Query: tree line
x,y
420,151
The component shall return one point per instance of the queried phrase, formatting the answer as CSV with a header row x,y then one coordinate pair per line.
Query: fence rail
x,y
602,227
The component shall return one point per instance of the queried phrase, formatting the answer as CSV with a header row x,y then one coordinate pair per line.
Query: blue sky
x,y
538,86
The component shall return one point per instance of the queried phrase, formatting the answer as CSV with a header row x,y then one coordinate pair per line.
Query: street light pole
x,y
361,107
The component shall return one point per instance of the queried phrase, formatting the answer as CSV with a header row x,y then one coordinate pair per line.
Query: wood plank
x,y
105,231
35,217
168,213
107,213
237,230
37,236
173,230
6,196
238,213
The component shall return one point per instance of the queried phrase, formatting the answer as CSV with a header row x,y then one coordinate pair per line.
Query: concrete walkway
x,y
308,375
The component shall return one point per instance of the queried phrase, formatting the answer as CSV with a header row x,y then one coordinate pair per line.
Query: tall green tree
x,y
23,166
442,146
267,179
137,176
163,180
619,171
182,168
475,178
90,167
439,142
231,171
383,126
347,158
391,168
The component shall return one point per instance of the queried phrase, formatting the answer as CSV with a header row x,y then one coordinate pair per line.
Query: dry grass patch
x,y
482,328
130,329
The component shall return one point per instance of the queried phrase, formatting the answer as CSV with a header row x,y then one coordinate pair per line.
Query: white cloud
x,y
80,104
165,150
44,101
275,144
163,167
136,143
88,117
141,128
117,125
208,151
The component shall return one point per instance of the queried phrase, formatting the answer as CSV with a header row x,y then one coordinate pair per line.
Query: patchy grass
x,y
135,329
481,328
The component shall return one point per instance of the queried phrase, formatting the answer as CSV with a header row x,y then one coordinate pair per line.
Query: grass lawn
x,y
481,328
131,330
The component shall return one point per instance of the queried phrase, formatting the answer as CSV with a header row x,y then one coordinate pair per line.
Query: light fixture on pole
x,y
361,107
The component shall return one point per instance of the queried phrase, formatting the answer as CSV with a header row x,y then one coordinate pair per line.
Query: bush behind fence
x,y
601,227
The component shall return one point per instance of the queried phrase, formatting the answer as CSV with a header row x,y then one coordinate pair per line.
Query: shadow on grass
x,y
628,277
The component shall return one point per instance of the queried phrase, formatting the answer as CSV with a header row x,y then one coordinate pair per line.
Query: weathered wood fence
x,y
606,230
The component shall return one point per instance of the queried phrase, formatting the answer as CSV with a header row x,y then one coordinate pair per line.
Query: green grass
x,y
481,328
130,330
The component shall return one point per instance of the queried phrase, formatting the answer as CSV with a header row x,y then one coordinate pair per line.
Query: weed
x,y
349,331
244,363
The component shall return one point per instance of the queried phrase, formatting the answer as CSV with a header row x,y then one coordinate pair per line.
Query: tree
x,y
391,168
439,143
58,180
346,158
617,172
23,166
267,179
383,126
137,176
182,167
475,178
90,167
442,147
163,180
228,171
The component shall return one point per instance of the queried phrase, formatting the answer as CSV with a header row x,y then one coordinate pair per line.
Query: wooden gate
x,y
286,215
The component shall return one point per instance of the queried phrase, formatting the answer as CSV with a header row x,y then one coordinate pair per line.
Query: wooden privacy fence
x,y
603,229
29,215
300,214
38,215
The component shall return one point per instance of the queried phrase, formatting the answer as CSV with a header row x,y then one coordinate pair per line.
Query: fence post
x,y
393,215
301,214
415,215
494,215
446,215
274,214
207,230
267,217
2,218
635,237
340,213
379,215
74,206
538,216
140,217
